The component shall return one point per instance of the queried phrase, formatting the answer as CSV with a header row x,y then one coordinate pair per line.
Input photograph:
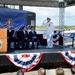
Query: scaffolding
x,y
61,15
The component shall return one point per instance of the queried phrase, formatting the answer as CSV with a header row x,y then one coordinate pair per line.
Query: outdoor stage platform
x,y
51,58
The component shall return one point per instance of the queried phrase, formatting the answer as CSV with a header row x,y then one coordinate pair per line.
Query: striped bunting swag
x,y
69,56
25,61
56,36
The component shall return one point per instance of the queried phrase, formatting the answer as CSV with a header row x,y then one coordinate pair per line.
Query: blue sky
x,y
43,12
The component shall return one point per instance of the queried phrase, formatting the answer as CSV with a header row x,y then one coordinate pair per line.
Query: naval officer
x,y
49,32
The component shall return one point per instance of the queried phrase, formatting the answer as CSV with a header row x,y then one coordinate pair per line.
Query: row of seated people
x,y
22,37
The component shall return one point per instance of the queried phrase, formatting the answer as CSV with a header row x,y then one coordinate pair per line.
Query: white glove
x,y
48,39
50,36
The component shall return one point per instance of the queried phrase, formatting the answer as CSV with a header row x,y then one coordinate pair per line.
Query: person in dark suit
x,y
15,37
28,29
19,33
24,38
33,37
9,36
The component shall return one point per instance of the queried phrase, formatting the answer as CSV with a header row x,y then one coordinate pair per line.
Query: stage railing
x,y
69,38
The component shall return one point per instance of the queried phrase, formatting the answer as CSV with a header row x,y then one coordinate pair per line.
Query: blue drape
x,y
13,18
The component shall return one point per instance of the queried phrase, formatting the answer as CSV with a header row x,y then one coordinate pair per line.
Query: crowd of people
x,y
42,71
22,37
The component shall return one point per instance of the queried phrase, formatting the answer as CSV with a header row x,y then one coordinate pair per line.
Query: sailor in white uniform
x,y
49,32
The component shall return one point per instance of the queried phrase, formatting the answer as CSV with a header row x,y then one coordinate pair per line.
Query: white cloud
x,y
70,11
53,13
70,21
70,15
42,13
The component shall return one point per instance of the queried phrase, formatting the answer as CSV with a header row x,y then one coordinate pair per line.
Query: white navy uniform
x,y
28,31
49,33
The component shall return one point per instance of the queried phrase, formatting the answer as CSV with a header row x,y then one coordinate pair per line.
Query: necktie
x,y
15,34
24,33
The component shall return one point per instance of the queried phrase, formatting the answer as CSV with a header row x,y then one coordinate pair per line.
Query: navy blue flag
x,y
12,18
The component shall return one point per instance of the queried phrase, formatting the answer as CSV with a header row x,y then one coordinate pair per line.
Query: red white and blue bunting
x,y
56,36
69,56
25,61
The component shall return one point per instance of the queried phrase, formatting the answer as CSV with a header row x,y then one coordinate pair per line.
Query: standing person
x,y
73,70
49,32
41,71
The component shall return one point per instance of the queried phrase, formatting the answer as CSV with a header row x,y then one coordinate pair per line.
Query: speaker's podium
x,y
3,40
